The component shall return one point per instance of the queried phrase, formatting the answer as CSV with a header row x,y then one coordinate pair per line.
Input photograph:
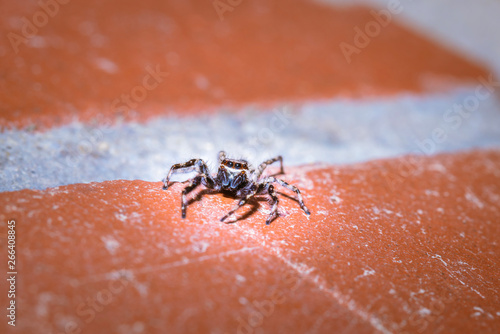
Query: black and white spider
x,y
235,178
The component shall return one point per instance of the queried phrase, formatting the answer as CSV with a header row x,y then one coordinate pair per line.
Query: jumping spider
x,y
235,178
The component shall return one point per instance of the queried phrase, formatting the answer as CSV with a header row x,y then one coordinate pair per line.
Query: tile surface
x,y
96,94
391,246
96,61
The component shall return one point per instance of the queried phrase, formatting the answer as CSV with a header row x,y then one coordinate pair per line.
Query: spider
x,y
236,178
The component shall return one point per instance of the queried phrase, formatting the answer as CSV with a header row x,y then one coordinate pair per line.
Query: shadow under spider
x,y
252,202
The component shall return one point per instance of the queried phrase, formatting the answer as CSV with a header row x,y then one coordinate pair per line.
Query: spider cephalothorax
x,y
237,179
232,174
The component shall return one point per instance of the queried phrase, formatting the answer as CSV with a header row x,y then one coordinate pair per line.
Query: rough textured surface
x,y
80,62
405,245
469,28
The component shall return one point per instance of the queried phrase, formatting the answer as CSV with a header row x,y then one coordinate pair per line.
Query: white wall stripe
x,y
335,131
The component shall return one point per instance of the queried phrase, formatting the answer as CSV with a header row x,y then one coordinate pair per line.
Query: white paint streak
x,y
437,256
424,311
106,65
333,292
366,272
169,265
110,243
471,197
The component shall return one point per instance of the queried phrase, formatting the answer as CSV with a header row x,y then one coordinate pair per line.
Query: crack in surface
x,y
175,264
321,284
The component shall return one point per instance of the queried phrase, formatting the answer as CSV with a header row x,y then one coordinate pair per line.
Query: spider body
x,y
236,178
232,175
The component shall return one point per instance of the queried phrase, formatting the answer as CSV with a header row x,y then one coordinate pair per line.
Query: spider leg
x,y
193,164
274,208
292,188
242,202
258,172
222,156
192,185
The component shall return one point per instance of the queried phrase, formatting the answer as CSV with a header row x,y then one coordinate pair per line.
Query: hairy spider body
x,y
234,177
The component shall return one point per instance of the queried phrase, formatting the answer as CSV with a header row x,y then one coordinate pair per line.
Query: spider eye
x,y
237,165
230,164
